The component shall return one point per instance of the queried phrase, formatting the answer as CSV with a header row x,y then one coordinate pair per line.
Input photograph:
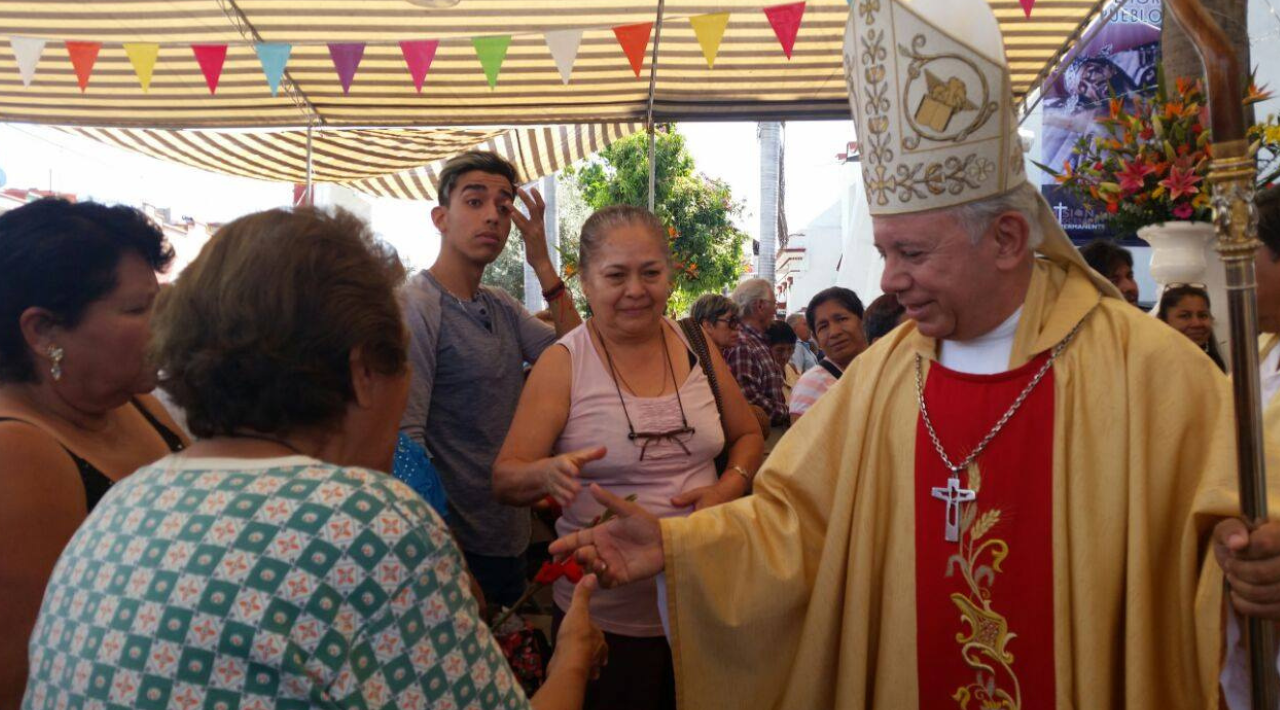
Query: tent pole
x,y
648,122
310,198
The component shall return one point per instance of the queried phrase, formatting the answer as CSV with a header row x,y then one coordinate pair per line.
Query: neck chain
x,y
1017,404
271,439
613,374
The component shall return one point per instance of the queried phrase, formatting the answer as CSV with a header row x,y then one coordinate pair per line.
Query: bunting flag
x,y
1028,4
27,51
273,56
785,20
142,55
346,58
491,51
709,30
564,49
83,55
634,40
211,58
419,54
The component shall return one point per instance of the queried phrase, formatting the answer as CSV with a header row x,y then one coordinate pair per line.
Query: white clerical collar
x,y
986,354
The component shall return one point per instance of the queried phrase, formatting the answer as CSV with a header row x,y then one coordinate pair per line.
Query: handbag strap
x,y
698,341
830,367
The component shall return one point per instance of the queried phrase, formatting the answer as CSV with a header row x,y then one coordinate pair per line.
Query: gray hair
x,y
711,307
750,291
598,226
977,217
797,317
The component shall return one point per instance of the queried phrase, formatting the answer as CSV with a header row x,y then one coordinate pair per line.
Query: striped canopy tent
x,y
353,64
385,162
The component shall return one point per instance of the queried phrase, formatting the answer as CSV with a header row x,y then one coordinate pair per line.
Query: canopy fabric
x,y
752,78
387,162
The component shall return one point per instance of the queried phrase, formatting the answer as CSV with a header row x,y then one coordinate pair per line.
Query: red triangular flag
x,y
418,54
634,40
346,58
211,57
1027,5
786,23
83,55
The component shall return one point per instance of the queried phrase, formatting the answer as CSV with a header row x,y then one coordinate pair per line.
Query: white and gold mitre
x,y
931,99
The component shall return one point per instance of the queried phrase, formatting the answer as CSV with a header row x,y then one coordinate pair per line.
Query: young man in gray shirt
x,y
468,345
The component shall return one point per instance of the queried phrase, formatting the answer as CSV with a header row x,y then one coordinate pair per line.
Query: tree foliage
x,y
507,271
706,247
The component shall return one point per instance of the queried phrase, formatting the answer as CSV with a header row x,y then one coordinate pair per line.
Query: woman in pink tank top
x,y
624,403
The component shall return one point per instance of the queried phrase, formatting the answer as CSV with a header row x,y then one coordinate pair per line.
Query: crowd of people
x,y
299,477
271,550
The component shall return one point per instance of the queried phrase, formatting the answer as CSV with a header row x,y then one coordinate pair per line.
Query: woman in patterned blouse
x,y
271,565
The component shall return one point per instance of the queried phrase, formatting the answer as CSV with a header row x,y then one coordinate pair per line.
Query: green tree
x,y
507,271
698,211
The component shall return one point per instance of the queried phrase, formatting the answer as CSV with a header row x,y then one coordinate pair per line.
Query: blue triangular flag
x,y
273,56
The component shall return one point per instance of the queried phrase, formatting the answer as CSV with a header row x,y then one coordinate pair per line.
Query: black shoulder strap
x,y
171,439
830,367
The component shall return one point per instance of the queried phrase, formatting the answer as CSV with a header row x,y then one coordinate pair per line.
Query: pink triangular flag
x,y
418,54
211,58
83,55
1027,5
346,57
785,20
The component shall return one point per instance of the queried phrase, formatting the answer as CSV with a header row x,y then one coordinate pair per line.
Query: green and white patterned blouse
x,y
246,584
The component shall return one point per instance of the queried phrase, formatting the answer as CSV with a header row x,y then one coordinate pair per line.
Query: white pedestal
x,y
1183,253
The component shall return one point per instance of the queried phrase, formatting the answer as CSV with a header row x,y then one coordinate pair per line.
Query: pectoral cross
x,y
953,495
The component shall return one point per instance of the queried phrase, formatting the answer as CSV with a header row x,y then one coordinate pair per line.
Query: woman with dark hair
x,y
835,318
1186,308
77,285
271,564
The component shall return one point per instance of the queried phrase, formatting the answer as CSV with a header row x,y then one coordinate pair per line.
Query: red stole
x,y
984,605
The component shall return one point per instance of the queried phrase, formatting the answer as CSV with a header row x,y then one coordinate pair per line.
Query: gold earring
x,y
55,354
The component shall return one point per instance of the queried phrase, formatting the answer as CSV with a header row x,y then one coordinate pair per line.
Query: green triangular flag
x,y
491,51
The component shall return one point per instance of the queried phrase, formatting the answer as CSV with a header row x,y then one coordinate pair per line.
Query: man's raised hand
x,y
532,228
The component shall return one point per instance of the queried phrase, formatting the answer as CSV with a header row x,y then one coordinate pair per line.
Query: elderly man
x,y
750,361
805,356
993,507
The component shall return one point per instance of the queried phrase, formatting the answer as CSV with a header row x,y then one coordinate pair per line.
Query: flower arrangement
x,y
1149,162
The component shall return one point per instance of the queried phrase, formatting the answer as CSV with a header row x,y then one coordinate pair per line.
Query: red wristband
x,y
554,292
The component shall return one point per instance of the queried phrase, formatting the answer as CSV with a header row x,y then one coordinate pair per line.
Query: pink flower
x,y
1133,175
1184,211
1180,182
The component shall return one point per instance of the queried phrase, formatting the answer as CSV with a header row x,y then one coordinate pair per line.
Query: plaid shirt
x,y
757,374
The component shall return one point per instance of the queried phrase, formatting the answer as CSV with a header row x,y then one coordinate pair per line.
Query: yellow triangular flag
x,y
143,57
710,30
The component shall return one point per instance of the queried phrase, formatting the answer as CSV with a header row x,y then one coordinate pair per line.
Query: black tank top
x,y
96,483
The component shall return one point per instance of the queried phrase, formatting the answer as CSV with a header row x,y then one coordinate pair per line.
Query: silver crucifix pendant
x,y
953,495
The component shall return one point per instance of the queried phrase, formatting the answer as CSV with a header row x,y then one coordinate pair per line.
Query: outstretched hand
x,y
560,473
625,549
1251,563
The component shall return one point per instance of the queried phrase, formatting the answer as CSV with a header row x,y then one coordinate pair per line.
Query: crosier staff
x,y
1232,175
